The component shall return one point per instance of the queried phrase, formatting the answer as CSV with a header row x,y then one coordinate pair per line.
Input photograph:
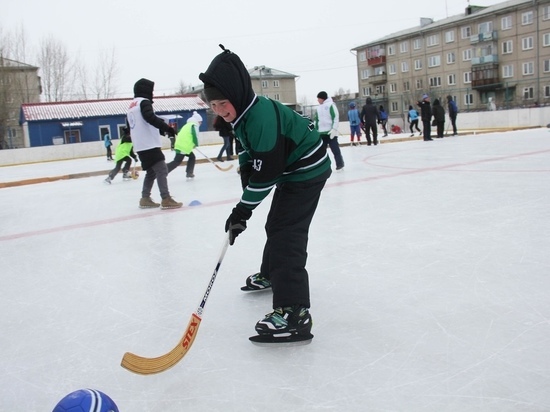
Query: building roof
x,y
269,72
109,107
476,13
13,64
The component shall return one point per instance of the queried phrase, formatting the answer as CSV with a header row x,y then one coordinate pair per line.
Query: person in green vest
x,y
124,153
186,140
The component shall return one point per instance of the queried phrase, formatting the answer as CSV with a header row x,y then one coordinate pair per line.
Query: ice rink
x,y
429,270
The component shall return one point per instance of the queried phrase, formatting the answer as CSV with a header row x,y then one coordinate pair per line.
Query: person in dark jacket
x,y
146,128
281,151
426,116
225,131
383,120
453,112
370,118
439,118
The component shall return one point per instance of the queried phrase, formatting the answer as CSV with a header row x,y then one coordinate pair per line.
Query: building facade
x,y
275,84
19,83
488,58
47,124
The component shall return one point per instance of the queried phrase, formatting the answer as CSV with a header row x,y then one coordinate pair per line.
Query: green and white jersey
x,y
281,146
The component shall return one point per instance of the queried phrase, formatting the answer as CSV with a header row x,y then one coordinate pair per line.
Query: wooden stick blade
x,y
223,169
148,366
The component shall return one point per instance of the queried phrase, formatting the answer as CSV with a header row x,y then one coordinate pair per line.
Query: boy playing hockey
x,y
281,150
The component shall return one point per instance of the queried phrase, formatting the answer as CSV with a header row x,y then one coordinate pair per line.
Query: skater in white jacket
x,y
326,122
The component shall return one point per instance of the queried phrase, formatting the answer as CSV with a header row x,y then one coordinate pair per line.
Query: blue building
x,y
46,124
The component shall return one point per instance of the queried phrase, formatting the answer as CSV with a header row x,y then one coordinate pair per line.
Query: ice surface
x,y
429,269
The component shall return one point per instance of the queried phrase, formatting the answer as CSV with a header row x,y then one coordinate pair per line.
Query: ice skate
x,y
256,282
284,325
169,203
147,203
108,180
127,176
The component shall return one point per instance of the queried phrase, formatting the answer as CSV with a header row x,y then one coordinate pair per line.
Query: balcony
x,y
486,77
375,61
490,58
482,37
378,78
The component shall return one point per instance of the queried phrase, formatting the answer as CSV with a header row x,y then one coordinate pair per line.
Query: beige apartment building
x,y
19,83
489,58
275,84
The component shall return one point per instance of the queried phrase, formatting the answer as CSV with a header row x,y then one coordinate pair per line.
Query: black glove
x,y
171,132
236,222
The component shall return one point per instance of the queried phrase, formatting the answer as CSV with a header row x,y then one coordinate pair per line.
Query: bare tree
x,y
105,76
54,63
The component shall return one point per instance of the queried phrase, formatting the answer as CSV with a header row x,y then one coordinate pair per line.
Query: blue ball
x,y
86,400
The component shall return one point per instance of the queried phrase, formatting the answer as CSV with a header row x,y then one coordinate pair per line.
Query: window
x,y
379,70
546,39
546,65
392,69
362,56
528,68
451,58
418,64
365,73
526,18
435,81
418,84
264,84
485,27
467,55
404,47
467,77
391,50
466,32
545,12
506,23
276,96
507,47
275,83
507,71
528,92
366,91
451,79
468,99
434,61
417,44
380,89
449,36
546,92
527,43
393,87
432,40
406,86
404,67
394,106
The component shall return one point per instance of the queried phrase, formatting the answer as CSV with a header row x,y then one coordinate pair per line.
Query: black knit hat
x,y
211,93
322,95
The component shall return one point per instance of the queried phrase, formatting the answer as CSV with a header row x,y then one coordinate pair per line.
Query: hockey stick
x,y
134,174
148,366
223,169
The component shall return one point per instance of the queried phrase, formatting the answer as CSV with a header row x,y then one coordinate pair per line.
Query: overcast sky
x,y
171,41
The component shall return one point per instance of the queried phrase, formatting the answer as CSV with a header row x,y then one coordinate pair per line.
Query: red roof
x,y
109,107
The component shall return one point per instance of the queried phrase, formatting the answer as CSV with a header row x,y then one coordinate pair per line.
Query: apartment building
x,y
19,83
488,58
275,84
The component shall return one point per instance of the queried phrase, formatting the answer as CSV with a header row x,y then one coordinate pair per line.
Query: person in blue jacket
x,y
453,111
354,124
383,120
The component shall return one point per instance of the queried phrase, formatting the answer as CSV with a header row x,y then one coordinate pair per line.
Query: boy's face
x,y
224,108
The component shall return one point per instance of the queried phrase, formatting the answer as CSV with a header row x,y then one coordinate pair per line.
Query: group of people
x,y
433,116
371,116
